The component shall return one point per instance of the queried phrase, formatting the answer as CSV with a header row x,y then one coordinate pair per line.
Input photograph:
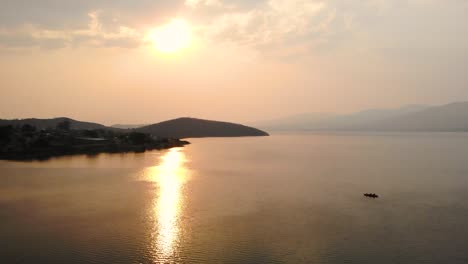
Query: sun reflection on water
x,y
170,176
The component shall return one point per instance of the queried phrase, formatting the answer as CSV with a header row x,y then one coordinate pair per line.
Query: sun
x,y
172,37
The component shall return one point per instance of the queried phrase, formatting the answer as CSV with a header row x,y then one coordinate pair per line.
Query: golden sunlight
x,y
172,37
170,177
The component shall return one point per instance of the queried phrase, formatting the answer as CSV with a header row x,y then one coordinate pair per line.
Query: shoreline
x,y
48,153
28,143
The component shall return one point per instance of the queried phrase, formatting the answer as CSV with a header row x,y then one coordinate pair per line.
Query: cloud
x,y
196,3
275,26
272,27
94,34
60,14
253,23
308,27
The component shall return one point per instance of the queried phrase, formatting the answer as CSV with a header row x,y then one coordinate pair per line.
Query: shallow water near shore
x,y
287,198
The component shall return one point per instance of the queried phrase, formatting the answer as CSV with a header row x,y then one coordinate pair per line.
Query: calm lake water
x,y
280,199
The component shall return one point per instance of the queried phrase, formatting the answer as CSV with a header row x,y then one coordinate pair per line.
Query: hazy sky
x,y
246,60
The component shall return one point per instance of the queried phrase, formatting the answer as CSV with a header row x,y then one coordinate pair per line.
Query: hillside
x,y
195,128
176,128
52,123
28,143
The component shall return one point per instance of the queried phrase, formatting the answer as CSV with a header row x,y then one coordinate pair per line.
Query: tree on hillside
x,y
27,128
137,138
64,125
91,133
5,133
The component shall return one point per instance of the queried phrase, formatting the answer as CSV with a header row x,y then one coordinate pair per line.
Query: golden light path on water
x,y
170,176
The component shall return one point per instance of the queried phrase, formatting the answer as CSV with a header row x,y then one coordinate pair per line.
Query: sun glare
x,y
172,37
170,176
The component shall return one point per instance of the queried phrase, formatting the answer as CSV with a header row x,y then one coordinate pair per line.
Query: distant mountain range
x,y
451,117
176,128
445,118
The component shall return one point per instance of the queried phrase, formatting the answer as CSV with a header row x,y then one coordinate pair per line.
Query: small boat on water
x,y
371,195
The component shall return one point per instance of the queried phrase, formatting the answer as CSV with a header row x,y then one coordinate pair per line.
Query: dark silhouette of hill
x,y
177,128
194,128
52,123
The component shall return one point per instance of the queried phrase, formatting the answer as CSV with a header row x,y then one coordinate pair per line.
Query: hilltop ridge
x,y
187,127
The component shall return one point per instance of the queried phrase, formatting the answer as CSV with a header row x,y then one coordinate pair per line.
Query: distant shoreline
x,y
26,143
39,139
46,154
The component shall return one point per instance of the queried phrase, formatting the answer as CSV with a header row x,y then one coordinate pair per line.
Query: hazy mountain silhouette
x,y
445,118
192,128
52,123
327,121
366,119
296,122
